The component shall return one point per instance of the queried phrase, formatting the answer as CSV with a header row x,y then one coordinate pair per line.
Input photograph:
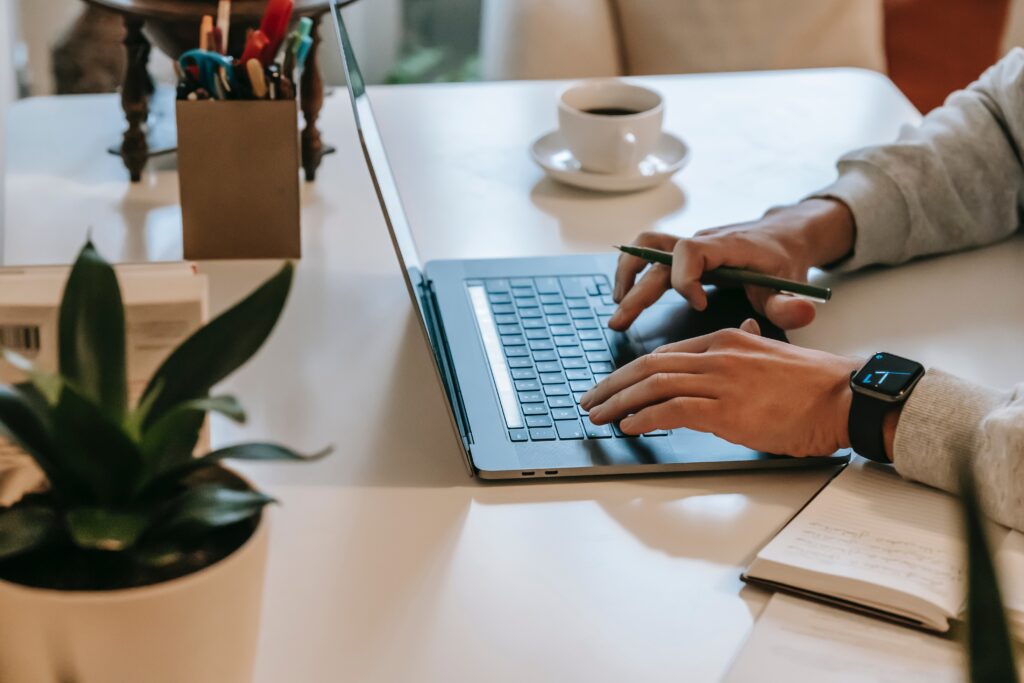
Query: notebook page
x,y
805,642
869,525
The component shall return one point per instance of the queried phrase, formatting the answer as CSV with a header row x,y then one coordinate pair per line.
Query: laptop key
x,y
575,374
550,299
594,431
509,329
536,333
538,421
586,324
496,285
528,301
577,395
560,402
591,335
535,409
556,309
501,298
527,385
583,386
602,367
549,366
577,302
599,377
541,344
570,351
503,309
542,434
531,397
615,430
534,324
574,363
603,288
518,435
552,378
541,355
517,282
599,357
572,286
563,414
657,432
523,373
559,320
562,330
566,341
520,362
516,351
569,429
578,313
547,285
525,313
556,390
594,344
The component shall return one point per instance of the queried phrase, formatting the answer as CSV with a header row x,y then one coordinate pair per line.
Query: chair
x,y
579,38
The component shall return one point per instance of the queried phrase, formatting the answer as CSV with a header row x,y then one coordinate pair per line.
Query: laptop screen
x,y
390,203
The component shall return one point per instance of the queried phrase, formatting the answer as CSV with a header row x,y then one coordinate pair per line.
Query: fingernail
x,y
617,294
585,400
626,425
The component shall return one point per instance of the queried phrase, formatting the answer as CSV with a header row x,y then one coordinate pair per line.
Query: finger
x,y
630,266
750,326
649,289
689,258
693,344
657,388
789,312
687,412
634,372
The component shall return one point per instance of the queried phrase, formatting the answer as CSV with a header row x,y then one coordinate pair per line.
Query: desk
x,y
387,562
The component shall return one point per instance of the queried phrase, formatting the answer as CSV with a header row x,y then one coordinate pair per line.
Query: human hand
x,y
784,243
761,393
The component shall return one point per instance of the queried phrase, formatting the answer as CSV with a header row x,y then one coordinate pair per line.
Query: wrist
x,y
822,231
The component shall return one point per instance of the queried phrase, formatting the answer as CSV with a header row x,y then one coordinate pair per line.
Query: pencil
x,y
736,276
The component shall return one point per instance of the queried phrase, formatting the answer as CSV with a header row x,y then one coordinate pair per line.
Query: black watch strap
x,y
865,426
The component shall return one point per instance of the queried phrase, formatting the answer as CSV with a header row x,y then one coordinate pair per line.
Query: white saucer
x,y
551,154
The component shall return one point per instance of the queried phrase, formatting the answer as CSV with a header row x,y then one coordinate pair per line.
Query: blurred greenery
x,y
440,42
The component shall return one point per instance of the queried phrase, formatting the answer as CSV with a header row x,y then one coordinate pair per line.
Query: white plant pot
x,y
200,628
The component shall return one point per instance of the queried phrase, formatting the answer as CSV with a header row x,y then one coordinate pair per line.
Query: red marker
x,y
274,26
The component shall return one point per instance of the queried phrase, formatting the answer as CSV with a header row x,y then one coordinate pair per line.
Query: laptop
x,y
516,343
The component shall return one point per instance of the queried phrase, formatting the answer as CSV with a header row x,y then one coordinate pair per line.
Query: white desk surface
x,y
387,562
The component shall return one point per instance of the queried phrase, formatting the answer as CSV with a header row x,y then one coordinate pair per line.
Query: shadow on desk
x,y
590,217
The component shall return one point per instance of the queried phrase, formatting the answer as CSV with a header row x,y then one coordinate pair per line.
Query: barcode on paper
x,y
23,338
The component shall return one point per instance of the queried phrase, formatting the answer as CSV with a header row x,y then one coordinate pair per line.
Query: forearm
x,y
947,422
954,182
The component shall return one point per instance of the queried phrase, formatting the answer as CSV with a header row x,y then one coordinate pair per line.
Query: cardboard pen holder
x,y
238,169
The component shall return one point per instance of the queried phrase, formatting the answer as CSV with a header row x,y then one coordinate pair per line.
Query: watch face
x,y
888,375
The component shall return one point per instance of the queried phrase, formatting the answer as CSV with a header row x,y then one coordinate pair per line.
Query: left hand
x,y
763,394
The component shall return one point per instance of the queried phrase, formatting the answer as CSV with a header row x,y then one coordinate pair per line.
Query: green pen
x,y
737,276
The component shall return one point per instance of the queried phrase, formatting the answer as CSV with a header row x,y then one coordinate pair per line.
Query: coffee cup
x,y
610,125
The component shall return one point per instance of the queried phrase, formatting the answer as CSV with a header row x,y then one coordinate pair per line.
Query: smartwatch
x,y
883,383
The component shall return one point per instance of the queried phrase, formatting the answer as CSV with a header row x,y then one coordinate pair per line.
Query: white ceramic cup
x,y
610,143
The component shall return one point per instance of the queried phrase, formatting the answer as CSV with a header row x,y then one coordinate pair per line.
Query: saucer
x,y
551,154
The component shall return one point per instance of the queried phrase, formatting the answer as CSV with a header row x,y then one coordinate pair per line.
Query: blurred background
x,y
928,47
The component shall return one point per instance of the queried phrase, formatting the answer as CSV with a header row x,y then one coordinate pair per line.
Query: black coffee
x,y
611,111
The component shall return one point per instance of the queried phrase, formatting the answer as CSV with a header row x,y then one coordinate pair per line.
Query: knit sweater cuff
x,y
940,427
879,210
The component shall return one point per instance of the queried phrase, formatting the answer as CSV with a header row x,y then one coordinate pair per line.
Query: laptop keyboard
x,y
546,345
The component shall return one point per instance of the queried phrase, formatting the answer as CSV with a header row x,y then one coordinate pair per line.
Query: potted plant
x,y
139,561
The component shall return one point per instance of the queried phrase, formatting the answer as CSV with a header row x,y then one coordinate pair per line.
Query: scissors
x,y
209,65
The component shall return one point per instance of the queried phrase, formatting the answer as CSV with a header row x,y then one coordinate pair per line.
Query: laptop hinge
x,y
439,346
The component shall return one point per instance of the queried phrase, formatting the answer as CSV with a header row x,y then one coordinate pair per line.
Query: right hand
x,y
785,243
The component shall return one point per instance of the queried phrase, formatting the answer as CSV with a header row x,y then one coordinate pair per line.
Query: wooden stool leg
x,y
135,92
312,100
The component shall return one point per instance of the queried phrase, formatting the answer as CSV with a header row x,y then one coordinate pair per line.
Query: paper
x,y
888,536
799,641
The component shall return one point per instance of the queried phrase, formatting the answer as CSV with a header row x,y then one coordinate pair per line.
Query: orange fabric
x,y
937,46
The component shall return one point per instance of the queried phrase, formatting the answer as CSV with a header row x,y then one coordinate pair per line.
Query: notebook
x,y
803,642
873,542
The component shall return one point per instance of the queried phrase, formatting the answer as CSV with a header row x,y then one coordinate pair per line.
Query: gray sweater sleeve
x,y
956,181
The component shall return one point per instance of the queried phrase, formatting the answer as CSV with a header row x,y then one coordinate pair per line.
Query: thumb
x,y
750,326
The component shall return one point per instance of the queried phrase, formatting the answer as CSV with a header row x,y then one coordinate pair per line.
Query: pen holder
x,y
238,168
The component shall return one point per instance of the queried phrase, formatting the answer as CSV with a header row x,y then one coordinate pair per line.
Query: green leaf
x,y
219,348
94,449
990,651
171,439
133,423
103,529
48,384
28,426
206,506
242,451
91,349
25,528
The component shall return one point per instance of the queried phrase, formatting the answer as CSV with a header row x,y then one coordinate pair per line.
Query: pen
x,y
224,23
256,78
205,31
737,276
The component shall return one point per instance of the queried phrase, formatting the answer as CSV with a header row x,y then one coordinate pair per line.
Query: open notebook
x,y
876,543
